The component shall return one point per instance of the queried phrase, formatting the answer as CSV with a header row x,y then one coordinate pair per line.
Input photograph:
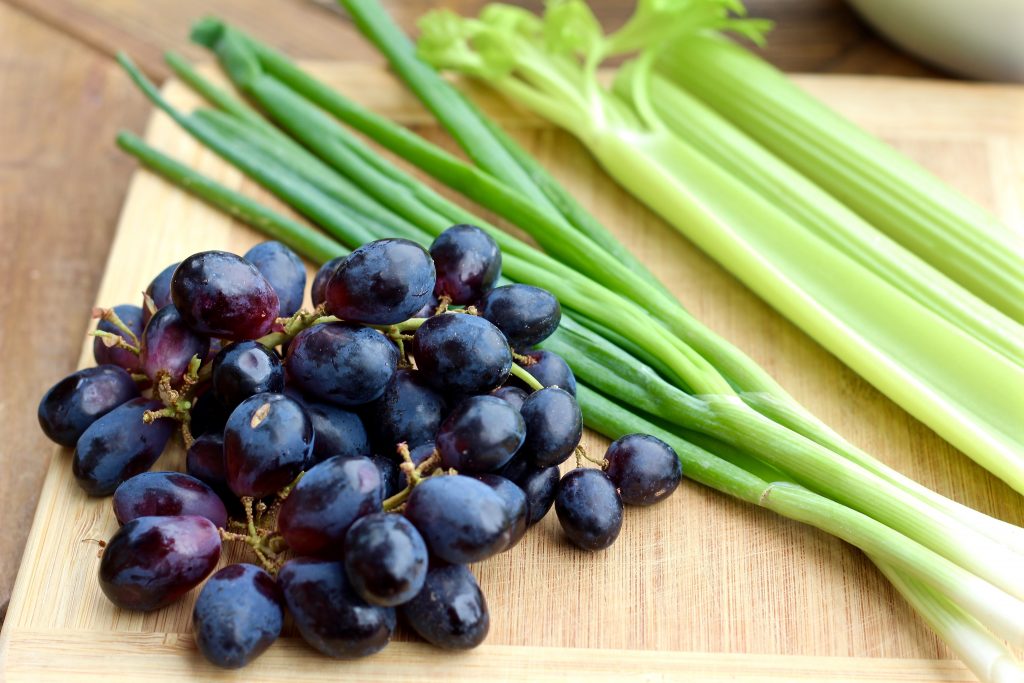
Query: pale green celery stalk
x,y
1002,613
901,347
892,192
715,137
805,461
984,654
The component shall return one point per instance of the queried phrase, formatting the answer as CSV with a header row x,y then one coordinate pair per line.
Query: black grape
x,y
409,410
342,363
77,401
554,426
461,354
167,494
549,369
208,415
468,263
328,612
222,295
152,561
118,446
514,395
168,345
644,468
318,289
450,612
131,316
327,500
159,292
526,315
268,440
238,615
517,507
461,519
480,435
540,484
284,271
338,431
381,283
589,508
205,459
244,369
385,559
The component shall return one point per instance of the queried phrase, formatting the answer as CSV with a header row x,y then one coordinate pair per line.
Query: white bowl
x,y
977,38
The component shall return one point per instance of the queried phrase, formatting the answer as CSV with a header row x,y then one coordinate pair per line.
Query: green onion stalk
x,y
923,577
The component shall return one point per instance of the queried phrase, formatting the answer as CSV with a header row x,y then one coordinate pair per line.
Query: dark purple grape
x,y
389,476
428,309
152,561
167,494
468,263
517,508
205,459
284,271
385,559
74,403
540,484
526,315
644,468
409,411
317,291
461,354
208,415
329,613
589,508
244,369
327,500
461,519
268,440
159,292
337,431
513,395
222,295
480,435
554,426
168,345
238,615
381,283
549,369
450,612
118,446
131,316
342,363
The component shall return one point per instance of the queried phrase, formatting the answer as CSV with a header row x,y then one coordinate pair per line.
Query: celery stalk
x,y
892,192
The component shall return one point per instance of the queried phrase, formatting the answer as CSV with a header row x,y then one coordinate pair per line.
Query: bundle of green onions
x,y
916,289
624,336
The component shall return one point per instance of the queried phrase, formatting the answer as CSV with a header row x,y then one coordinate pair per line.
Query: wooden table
x,y
62,181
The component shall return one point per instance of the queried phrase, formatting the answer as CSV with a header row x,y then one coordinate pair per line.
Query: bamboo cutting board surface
x,y
701,587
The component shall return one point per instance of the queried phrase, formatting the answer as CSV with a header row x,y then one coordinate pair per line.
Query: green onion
x,y
937,371
895,194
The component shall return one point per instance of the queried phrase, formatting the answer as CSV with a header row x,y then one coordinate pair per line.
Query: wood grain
x,y
61,180
702,573
61,188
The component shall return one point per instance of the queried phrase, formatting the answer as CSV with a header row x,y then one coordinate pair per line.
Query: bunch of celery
x,y
912,326
735,430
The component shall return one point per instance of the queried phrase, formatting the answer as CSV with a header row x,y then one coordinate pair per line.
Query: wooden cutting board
x,y
701,587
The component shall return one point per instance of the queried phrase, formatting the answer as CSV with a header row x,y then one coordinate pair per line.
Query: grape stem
x,y
111,340
526,377
111,316
581,454
414,475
